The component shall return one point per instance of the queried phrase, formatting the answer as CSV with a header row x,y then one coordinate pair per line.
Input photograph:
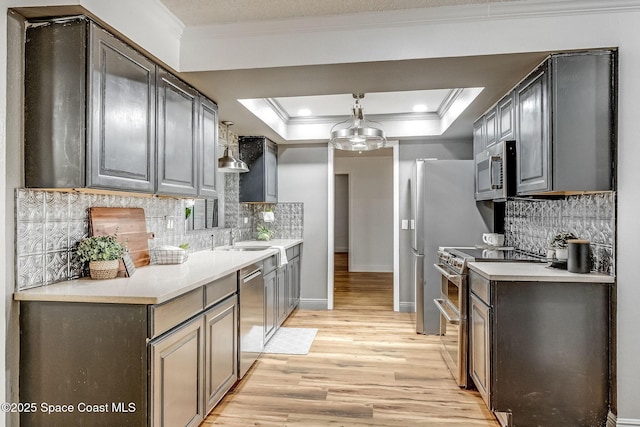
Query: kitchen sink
x,y
242,248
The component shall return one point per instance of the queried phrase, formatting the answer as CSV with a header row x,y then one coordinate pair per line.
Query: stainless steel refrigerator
x,y
443,213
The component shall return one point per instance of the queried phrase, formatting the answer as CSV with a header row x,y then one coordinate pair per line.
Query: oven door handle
x,y
454,278
440,304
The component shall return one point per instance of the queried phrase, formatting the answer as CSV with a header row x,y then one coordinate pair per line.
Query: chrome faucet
x,y
231,239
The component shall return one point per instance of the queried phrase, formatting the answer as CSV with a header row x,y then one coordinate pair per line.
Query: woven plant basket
x,y
101,270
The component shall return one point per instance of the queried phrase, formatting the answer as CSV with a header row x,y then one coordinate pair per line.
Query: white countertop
x,y
534,272
154,284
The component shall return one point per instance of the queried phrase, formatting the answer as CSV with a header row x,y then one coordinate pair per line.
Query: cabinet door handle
x,y
440,304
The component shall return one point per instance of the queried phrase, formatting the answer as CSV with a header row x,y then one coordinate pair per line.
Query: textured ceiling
x,y
206,12
496,73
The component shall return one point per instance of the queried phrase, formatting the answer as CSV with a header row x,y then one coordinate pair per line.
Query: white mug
x,y
493,239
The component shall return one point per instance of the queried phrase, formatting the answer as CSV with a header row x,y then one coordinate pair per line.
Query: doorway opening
x,y
363,241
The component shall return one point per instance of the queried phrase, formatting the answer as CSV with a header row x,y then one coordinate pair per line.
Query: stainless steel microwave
x,y
495,172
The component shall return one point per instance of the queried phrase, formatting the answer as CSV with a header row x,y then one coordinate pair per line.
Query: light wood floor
x,y
366,367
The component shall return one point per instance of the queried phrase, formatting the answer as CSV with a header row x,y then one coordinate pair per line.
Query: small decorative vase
x,y
562,253
101,270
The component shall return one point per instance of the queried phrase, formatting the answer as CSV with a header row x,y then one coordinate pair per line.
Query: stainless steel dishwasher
x,y
251,340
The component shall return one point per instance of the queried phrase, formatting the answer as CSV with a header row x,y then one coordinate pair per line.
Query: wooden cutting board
x,y
130,228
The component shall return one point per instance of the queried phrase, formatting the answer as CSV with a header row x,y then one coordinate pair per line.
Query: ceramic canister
x,y
579,260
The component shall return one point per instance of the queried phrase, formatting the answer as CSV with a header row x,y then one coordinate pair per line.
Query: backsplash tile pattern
x,y
530,224
49,224
288,219
288,216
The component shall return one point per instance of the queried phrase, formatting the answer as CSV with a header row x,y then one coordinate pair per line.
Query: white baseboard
x,y
407,307
364,268
614,421
312,304
341,249
626,422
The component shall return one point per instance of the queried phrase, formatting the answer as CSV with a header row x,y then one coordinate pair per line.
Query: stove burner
x,y
457,258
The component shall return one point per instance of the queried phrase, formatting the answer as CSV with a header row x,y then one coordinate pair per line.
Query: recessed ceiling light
x,y
419,108
303,112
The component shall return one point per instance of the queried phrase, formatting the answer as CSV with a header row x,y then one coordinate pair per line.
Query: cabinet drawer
x,y
270,264
480,287
220,289
293,252
171,313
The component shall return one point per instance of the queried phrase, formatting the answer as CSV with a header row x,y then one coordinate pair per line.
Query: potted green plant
x,y
103,254
560,243
264,233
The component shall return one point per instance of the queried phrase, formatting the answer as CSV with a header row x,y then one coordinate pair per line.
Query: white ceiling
x,y
372,103
392,87
207,12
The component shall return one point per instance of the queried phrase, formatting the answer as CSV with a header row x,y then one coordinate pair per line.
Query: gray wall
x,y
302,177
409,151
371,203
311,162
341,214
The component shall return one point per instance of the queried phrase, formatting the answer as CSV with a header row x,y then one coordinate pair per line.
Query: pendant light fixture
x,y
357,133
227,163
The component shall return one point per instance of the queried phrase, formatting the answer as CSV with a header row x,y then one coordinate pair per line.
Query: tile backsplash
x,y
49,224
530,225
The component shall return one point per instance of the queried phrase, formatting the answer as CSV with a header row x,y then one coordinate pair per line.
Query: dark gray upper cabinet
x,y
260,184
99,114
208,149
89,109
533,138
177,136
122,115
506,118
490,125
479,135
565,132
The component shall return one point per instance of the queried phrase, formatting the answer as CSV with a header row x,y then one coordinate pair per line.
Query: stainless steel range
x,y
454,300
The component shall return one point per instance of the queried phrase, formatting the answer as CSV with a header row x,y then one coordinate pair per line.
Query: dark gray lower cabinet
x,y
539,351
293,284
480,346
83,352
282,294
129,365
221,351
177,377
270,313
282,289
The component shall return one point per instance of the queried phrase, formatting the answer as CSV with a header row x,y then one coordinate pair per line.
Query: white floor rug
x,y
291,341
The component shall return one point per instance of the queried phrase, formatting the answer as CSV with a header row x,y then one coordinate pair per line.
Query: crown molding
x,y
170,21
410,17
448,101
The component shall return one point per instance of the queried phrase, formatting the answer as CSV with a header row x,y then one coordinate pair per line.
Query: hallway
x,y
356,291
366,367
